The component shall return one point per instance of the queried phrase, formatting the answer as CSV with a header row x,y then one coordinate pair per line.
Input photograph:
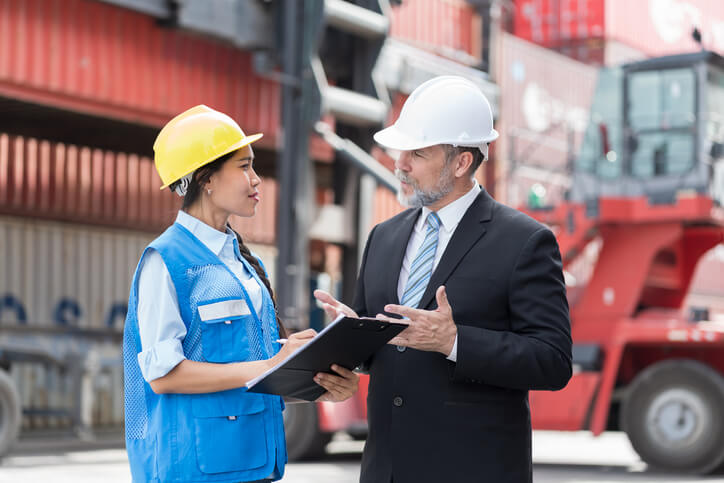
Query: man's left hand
x,y
429,330
339,388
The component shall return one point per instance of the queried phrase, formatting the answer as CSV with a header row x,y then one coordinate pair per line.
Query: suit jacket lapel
x,y
399,238
471,228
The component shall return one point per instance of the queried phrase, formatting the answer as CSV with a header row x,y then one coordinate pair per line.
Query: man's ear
x,y
462,164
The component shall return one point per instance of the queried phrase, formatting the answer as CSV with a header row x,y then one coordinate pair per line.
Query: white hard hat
x,y
444,110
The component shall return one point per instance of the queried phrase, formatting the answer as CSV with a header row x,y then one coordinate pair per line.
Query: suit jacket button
x,y
401,348
397,401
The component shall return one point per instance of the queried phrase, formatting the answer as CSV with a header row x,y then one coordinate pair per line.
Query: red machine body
x,y
631,307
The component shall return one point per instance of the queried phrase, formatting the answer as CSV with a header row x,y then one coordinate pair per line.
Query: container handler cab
x,y
647,189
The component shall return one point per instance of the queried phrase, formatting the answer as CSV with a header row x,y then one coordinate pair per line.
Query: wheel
x,y
10,413
301,425
673,418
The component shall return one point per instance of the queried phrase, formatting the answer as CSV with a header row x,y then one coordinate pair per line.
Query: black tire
x,y
673,416
304,439
10,413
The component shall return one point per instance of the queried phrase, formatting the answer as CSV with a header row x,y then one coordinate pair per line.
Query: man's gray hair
x,y
452,151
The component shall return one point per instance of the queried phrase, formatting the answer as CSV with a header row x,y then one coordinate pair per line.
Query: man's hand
x,y
339,388
332,306
429,330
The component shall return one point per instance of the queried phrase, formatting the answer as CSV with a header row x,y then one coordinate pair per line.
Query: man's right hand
x,y
333,307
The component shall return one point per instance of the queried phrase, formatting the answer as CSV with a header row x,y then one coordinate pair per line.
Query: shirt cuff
x,y
453,356
157,361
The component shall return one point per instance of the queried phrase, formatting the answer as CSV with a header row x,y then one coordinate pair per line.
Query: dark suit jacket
x,y
432,420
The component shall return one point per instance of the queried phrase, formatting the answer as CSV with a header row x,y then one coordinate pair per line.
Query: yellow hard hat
x,y
194,138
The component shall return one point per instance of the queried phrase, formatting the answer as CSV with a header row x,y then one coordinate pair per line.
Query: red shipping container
x,y
558,23
77,184
90,57
663,27
444,27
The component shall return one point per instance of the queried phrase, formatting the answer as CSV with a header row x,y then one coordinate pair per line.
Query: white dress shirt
x,y
161,328
450,216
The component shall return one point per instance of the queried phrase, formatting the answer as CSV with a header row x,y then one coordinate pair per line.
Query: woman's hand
x,y
332,306
294,342
339,388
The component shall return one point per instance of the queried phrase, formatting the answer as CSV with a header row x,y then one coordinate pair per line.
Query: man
x,y
482,288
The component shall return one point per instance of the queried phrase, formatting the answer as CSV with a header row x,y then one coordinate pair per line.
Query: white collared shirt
x,y
450,216
161,328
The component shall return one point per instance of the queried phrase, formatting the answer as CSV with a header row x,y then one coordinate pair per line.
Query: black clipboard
x,y
347,342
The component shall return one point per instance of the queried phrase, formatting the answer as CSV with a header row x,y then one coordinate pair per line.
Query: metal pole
x,y
301,23
293,161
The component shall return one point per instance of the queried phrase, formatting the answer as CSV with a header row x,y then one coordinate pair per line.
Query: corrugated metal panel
x,y
555,23
445,27
72,275
67,274
261,228
66,277
546,101
386,206
91,57
72,183
662,27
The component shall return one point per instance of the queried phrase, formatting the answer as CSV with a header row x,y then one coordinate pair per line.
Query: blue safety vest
x,y
226,436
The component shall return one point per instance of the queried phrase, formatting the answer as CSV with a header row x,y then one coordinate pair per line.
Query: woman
x,y
202,322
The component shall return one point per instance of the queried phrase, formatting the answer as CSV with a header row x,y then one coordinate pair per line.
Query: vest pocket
x,y
230,431
224,335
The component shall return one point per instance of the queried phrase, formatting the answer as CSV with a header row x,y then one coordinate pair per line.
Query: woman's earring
x,y
209,191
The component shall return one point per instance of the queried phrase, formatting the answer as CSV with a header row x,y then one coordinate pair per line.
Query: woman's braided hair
x,y
254,262
200,177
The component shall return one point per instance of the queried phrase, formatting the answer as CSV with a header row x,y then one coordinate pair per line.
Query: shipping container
x,y
450,28
545,102
587,29
55,181
662,27
91,57
63,295
558,23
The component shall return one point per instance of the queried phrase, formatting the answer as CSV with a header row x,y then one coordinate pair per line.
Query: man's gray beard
x,y
419,197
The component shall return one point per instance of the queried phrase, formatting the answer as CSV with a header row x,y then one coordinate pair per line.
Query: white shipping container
x,y
66,275
64,292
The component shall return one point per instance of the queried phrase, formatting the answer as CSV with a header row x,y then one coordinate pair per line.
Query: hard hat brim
x,y
393,138
244,142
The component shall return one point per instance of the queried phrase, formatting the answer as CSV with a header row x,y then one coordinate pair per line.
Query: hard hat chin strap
x,y
181,186
484,148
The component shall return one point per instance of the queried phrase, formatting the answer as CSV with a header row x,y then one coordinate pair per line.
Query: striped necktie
x,y
421,268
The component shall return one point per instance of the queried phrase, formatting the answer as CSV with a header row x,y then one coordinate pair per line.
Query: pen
x,y
282,341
